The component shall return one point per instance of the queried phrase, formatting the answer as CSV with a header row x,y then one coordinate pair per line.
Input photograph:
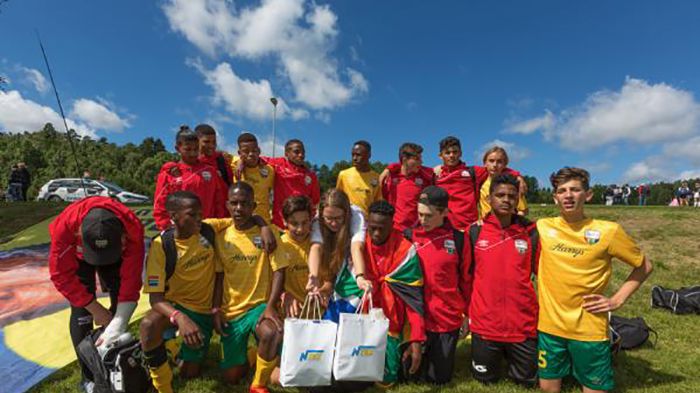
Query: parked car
x,y
71,189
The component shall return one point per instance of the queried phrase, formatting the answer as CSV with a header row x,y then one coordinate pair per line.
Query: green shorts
x,y
392,361
235,344
206,326
590,362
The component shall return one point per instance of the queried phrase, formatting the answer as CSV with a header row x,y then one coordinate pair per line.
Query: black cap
x,y
102,237
434,196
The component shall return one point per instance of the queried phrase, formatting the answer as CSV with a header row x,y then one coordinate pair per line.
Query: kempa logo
x,y
363,350
569,250
311,354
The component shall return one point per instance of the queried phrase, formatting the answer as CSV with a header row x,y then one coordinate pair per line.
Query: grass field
x,y
669,236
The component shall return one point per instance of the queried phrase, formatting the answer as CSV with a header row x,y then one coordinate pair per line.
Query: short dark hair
x,y
403,150
504,178
179,199
570,173
296,203
363,143
450,141
246,137
242,186
185,135
204,129
292,142
382,208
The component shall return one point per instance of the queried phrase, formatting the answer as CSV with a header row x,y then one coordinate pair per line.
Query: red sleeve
x,y
220,199
428,175
63,261
481,175
465,279
537,249
315,190
511,172
394,168
132,257
417,323
160,214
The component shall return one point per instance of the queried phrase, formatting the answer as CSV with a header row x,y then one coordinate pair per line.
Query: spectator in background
x,y
86,174
14,189
25,178
626,192
684,194
617,194
697,194
643,192
609,195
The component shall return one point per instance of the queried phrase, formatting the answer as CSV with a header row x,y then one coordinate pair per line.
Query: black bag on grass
x,y
629,333
126,366
92,359
682,301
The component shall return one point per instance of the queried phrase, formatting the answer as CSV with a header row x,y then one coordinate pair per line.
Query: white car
x,y
73,189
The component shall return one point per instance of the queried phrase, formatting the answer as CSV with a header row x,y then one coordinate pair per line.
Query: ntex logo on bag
x,y
311,354
363,350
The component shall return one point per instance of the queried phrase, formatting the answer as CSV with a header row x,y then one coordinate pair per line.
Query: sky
x,y
609,86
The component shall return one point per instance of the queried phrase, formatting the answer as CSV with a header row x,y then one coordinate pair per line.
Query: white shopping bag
x,y
307,349
360,347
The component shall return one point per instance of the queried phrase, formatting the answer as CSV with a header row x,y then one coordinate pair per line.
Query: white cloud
x,y
18,114
36,78
98,116
646,171
689,174
265,143
687,148
542,123
515,152
639,112
298,36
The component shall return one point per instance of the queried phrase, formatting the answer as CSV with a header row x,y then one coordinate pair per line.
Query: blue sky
x,y
611,86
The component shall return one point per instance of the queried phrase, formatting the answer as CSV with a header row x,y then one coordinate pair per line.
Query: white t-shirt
x,y
358,227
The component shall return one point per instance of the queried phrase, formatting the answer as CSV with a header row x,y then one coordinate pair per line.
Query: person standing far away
x,y
208,154
573,275
697,195
402,183
626,193
25,178
188,174
249,167
501,257
14,189
292,177
360,182
642,194
97,235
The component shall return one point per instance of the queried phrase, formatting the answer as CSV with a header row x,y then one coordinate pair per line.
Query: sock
x,y
263,369
158,367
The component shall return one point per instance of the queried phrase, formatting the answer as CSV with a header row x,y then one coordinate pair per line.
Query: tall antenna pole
x,y
60,108
273,100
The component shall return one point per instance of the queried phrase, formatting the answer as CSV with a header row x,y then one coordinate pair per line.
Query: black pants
x,y
439,356
80,318
521,358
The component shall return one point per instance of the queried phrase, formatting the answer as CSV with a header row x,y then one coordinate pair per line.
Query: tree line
x,y
47,154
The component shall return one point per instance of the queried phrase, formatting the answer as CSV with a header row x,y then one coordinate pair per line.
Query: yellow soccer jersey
x,y
485,207
297,274
192,282
262,179
361,187
575,260
247,269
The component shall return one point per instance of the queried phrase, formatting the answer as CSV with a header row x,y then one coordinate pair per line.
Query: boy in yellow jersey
x,y
574,272
248,167
180,295
496,160
360,183
250,283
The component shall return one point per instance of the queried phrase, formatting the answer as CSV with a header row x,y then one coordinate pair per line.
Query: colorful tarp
x,y
34,338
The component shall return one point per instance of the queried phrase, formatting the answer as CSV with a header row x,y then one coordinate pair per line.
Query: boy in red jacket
x,y
97,235
446,283
501,256
210,156
189,174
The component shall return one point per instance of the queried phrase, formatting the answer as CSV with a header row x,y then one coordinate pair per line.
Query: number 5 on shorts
x,y
541,361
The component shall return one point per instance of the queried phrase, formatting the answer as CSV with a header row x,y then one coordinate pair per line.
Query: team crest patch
x,y
153,281
206,175
521,246
449,246
465,174
264,172
307,180
257,240
592,236
552,233
419,181
482,243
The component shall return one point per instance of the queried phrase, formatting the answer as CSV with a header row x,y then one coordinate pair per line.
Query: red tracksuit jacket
x,y
403,193
503,304
291,180
460,185
201,178
445,279
66,250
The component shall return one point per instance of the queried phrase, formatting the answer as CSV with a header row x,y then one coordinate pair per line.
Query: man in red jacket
x,y
402,183
189,174
97,234
292,177
462,183
440,248
503,308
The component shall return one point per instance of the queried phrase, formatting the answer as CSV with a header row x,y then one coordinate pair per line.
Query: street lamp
x,y
273,100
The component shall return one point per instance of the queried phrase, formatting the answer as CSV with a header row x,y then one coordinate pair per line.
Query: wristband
x,y
358,275
173,316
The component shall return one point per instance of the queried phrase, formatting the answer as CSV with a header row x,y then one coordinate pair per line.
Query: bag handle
x,y
313,308
367,295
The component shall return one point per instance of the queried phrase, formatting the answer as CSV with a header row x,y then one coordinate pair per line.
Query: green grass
x,y
16,216
667,235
